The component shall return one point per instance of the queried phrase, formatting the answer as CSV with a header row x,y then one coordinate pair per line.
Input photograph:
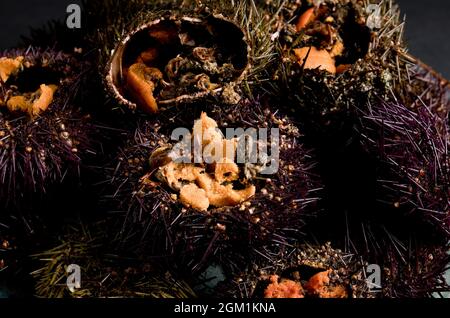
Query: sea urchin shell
x,y
155,216
177,58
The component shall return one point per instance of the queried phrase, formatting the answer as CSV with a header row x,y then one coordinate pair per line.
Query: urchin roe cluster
x,y
20,99
329,36
177,58
304,271
221,183
317,286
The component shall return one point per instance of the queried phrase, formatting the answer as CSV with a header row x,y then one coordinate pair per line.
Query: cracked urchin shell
x,y
39,150
298,263
112,25
168,45
156,223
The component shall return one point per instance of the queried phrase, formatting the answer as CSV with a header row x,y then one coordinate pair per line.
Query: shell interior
x,y
190,57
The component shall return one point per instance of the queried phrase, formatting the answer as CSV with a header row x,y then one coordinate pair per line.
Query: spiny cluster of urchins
x,y
155,221
359,79
363,85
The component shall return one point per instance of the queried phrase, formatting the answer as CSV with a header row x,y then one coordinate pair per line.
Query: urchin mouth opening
x,y
30,79
177,59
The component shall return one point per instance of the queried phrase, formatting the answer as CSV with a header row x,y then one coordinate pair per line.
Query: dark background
x,y
428,24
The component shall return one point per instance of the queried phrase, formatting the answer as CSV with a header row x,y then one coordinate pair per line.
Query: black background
x,y
427,28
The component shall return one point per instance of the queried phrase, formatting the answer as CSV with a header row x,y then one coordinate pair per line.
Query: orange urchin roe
x,y
317,282
18,104
306,18
46,93
195,197
319,285
284,289
312,58
33,103
320,22
141,82
148,56
164,34
343,68
200,187
334,292
9,67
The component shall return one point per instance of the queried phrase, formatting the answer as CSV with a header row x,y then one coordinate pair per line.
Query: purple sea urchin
x,y
414,145
45,141
359,57
158,221
425,86
419,275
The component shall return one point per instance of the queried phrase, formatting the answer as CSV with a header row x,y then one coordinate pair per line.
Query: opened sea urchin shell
x,y
177,59
159,220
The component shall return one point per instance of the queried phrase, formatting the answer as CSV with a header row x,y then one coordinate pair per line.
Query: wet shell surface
x,y
177,59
